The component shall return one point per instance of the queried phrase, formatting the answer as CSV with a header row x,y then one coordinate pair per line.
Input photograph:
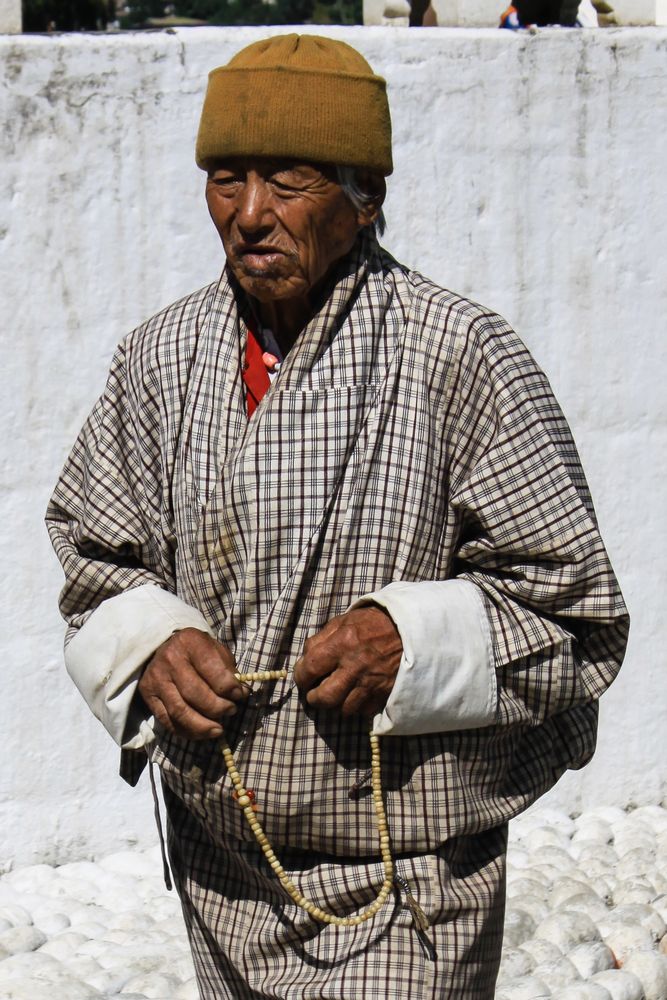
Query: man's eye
x,y
285,182
224,181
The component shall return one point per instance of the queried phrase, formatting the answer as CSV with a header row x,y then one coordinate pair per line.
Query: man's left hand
x,y
351,664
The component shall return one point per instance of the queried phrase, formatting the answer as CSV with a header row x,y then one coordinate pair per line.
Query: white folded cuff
x,y
106,657
446,678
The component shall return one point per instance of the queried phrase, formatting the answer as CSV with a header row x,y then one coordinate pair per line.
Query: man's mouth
x,y
260,256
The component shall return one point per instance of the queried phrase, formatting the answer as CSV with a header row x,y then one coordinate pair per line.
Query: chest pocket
x,y
299,458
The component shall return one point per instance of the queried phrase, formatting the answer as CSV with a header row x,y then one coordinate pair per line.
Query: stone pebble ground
x,y
586,918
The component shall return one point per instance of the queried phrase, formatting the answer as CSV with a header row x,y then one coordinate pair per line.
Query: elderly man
x,y
332,565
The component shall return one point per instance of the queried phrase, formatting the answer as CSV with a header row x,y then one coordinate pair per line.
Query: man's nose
x,y
253,205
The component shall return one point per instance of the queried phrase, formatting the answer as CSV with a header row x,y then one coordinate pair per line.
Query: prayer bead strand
x,y
262,675
245,802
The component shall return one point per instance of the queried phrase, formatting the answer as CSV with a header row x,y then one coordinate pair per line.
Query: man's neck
x,y
286,318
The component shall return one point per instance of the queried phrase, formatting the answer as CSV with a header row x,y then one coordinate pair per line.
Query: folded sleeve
x,y
446,678
106,656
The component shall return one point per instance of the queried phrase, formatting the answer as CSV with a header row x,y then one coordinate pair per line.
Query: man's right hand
x,y
189,685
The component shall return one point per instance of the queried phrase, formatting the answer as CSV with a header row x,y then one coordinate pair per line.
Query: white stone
x,y
638,890
29,989
182,965
630,836
92,929
67,981
82,914
52,923
558,973
155,985
18,939
536,908
527,885
526,988
76,888
555,858
567,929
636,861
567,887
517,860
165,907
622,985
607,813
583,991
15,915
173,926
541,951
590,904
659,905
109,981
86,871
121,937
95,947
625,939
187,991
514,963
144,960
33,963
64,945
518,927
552,818
600,866
543,837
584,851
593,828
654,816
28,878
636,913
651,970
82,966
591,957
137,864
549,873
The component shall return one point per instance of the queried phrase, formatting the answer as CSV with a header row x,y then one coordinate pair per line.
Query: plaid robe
x,y
409,436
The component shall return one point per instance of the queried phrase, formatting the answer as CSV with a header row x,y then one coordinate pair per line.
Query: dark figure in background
x,y
526,13
543,12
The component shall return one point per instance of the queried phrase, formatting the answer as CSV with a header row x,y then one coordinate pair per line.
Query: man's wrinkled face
x,y
283,224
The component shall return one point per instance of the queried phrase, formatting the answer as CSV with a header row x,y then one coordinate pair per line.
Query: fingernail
x,y
216,731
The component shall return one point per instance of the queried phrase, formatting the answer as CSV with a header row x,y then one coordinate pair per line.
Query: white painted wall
x,y
529,174
10,17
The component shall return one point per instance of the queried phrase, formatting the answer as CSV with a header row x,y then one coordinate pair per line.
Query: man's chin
x,y
266,286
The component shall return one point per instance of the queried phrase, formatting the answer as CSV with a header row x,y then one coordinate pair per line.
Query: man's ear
x,y
375,186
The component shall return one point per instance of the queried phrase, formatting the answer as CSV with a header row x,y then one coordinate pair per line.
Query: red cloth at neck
x,y
255,375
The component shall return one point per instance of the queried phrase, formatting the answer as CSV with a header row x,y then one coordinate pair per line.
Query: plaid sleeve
x,y
529,538
102,517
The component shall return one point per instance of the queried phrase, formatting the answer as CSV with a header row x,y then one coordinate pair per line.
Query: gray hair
x,y
347,178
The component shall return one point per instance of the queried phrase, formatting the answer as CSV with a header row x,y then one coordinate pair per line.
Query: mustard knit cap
x,y
301,97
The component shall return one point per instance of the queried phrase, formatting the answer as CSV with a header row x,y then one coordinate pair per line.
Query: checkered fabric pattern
x,y
409,436
276,951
